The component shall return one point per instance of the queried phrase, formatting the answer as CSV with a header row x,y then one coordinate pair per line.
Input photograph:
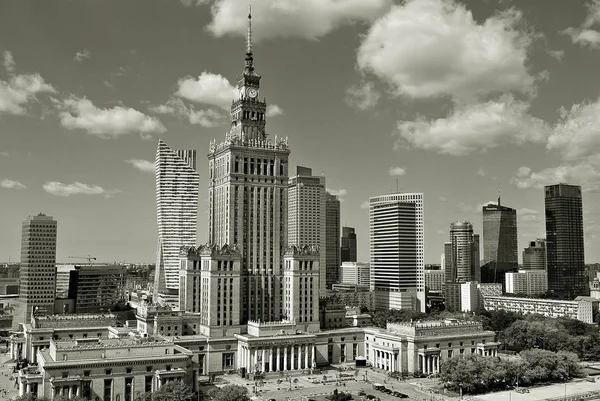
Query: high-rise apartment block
x,y
564,240
534,256
177,186
464,262
397,251
500,248
332,240
306,214
37,277
348,245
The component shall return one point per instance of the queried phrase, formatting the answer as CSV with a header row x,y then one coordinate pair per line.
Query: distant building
x,y
527,282
397,251
435,280
63,273
332,240
97,288
353,295
564,241
582,308
534,256
348,245
500,248
358,273
462,264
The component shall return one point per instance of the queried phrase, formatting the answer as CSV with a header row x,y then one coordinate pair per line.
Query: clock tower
x,y
248,112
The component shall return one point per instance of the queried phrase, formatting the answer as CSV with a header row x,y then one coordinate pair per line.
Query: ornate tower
x,y
248,197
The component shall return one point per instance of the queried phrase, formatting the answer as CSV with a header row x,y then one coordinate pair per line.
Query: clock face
x,y
252,93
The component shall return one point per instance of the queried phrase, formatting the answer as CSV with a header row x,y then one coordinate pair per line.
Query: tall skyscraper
x,y
396,237
463,265
37,277
534,256
306,214
177,185
247,190
348,245
500,248
564,240
332,240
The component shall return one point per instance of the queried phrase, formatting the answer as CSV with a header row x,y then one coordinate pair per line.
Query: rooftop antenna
x,y
498,193
397,186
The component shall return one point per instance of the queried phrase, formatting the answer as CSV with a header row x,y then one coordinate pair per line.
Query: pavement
x,y
543,392
8,390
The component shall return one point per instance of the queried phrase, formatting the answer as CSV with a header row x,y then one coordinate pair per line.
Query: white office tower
x,y
306,215
397,251
177,185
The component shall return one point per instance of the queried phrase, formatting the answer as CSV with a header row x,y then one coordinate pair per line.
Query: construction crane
x,y
89,258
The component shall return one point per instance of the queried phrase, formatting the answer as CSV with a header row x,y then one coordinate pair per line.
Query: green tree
x,y
173,391
31,397
230,393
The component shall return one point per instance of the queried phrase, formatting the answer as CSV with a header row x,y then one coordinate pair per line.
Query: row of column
x,y
488,352
68,391
385,360
429,363
278,358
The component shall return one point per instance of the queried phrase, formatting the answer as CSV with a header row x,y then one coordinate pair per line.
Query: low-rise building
x,y
527,282
353,295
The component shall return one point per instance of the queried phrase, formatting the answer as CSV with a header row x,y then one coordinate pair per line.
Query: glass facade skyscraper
x,y
564,241
500,247
348,246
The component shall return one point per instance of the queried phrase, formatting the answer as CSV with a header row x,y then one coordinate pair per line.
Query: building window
x,y
86,372
128,388
64,375
108,372
168,368
107,389
128,370
227,361
148,384
148,368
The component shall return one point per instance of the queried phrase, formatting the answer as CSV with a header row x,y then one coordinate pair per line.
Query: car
x,y
371,397
361,392
387,391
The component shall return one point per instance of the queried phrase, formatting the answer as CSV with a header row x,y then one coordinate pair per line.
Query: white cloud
x,y
20,90
474,127
585,173
76,188
364,205
443,199
8,62
465,208
480,172
577,133
81,113
431,48
82,55
479,207
142,165
441,232
528,215
363,96
396,171
11,184
191,3
273,110
209,89
309,19
108,84
557,54
207,118
337,192
585,35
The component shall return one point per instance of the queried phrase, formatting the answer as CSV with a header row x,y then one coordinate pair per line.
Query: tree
x,y
65,398
229,393
173,391
31,397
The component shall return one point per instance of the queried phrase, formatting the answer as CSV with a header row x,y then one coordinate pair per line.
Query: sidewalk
x,y
8,390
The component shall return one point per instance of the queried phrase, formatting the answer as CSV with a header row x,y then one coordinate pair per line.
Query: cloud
x,y
12,184
443,199
441,232
81,113
464,208
433,48
142,165
108,84
308,19
577,133
76,188
273,110
20,90
209,89
363,96
337,192
557,54
396,171
191,3
480,172
8,62
207,118
82,55
479,207
365,205
528,215
4,153
584,35
585,173
474,128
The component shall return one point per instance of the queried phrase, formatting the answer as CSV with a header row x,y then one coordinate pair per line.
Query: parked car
x,y
361,392
371,397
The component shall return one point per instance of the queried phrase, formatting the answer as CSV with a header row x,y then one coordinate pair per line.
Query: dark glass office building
x,y
564,241
500,246
348,246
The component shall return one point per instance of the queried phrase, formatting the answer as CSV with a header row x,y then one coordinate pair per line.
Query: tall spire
x,y
249,58
498,193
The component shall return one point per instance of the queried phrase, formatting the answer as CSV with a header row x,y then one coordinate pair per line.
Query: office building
x,y
463,263
37,278
306,214
527,282
534,256
435,280
582,308
177,186
63,273
332,240
397,249
348,245
564,241
500,248
97,288
357,273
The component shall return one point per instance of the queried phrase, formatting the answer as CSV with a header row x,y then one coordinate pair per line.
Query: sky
x,y
455,99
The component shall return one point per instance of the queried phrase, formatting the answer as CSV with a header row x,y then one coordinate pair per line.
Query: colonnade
x,y
386,360
488,352
429,363
277,358
67,391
